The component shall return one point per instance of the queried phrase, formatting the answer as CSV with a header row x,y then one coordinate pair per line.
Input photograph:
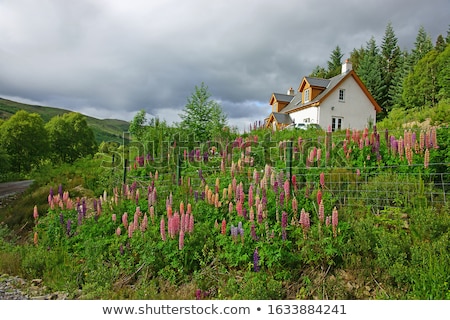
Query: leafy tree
x,y
70,137
202,117
444,73
421,85
335,63
369,70
390,59
137,125
24,138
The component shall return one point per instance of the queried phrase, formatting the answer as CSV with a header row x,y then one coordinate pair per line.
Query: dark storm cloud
x,y
114,58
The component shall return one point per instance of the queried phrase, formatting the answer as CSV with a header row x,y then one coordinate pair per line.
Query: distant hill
x,y
108,130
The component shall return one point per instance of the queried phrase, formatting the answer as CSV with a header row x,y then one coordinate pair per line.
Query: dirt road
x,y
10,188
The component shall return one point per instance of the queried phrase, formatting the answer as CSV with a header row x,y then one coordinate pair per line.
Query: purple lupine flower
x,y
256,266
284,218
68,227
121,250
61,218
253,232
60,191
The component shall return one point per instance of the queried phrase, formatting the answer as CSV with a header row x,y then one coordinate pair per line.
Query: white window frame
x,y
341,95
307,95
336,123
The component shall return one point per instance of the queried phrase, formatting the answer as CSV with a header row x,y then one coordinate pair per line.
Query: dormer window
x,y
306,95
341,95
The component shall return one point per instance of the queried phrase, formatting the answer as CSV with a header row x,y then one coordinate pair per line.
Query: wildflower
x,y
334,221
319,196
144,223
125,220
181,240
321,212
223,229
322,180
114,217
253,232
118,231
191,223
256,266
162,229
35,238
35,213
198,294
68,227
426,159
284,217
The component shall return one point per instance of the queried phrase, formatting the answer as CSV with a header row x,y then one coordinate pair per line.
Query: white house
x,y
337,103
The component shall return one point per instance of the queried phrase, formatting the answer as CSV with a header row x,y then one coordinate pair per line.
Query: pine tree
x,y
390,55
335,63
369,70
422,46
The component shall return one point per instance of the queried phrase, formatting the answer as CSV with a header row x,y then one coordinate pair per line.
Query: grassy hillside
x,y
104,129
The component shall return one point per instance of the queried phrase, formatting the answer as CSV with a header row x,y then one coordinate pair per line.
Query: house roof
x,y
282,97
282,117
331,85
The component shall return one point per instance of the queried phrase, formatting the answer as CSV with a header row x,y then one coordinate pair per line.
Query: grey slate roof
x,y
283,118
318,82
297,101
283,97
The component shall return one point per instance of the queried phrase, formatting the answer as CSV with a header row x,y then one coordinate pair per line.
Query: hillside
x,y
104,129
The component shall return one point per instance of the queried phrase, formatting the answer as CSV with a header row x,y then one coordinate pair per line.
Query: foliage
x,y
70,138
202,118
25,139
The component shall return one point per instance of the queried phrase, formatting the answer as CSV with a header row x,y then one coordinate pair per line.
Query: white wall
x,y
311,113
356,111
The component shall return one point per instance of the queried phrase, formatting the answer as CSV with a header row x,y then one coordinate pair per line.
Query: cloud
x,y
115,58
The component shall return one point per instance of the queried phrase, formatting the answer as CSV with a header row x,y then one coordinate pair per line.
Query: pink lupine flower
x,y
294,205
152,213
230,207
162,229
191,223
144,223
319,196
114,217
286,187
322,180
118,231
250,196
35,212
125,220
334,221
130,230
321,212
181,207
426,159
181,240
223,229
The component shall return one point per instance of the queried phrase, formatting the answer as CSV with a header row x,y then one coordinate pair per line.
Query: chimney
x,y
346,66
291,91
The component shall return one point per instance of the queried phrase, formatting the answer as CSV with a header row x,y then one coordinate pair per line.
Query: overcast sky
x,y
112,58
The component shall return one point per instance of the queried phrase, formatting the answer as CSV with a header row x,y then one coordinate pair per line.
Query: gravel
x,y
16,288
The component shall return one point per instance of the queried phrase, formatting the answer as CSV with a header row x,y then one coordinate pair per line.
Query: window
x,y
336,123
306,95
341,95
